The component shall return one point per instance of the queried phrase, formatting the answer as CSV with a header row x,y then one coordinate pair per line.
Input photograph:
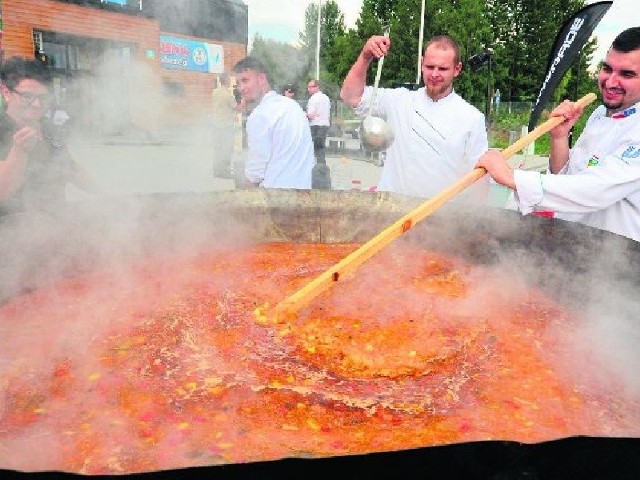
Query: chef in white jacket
x,y
597,182
278,134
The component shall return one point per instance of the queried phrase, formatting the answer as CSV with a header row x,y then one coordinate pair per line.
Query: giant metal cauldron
x,y
36,250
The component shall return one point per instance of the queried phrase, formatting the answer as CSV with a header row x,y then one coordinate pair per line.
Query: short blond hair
x,y
447,42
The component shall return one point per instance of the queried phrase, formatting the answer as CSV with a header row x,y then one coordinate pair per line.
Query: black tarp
x,y
574,458
569,41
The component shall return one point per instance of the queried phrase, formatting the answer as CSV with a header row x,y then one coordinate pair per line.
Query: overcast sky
x,y
282,19
622,14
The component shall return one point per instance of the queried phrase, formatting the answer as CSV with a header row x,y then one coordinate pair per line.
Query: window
x,y
173,89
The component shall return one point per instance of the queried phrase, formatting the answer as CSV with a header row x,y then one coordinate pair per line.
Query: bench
x,y
336,144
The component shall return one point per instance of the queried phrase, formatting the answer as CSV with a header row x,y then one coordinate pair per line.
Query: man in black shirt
x,y
34,169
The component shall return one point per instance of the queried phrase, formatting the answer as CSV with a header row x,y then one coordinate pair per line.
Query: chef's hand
x,y
376,47
571,111
495,164
26,138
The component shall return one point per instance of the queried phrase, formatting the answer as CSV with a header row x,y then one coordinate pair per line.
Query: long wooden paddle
x,y
293,303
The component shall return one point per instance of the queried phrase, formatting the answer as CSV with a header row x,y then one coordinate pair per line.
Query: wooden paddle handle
x,y
302,297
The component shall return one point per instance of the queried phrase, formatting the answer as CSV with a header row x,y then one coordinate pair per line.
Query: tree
x,y
332,34
284,62
524,31
374,17
467,22
520,34
581,79
464,20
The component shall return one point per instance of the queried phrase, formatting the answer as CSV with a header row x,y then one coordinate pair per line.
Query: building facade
x,y
122,64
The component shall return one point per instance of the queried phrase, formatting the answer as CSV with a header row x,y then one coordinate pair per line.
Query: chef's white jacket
x,y
436,142
600,184
279,142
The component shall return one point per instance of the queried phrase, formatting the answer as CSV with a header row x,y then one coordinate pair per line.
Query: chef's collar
x,y
625,113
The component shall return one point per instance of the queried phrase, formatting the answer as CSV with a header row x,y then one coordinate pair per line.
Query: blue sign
x,y
182,54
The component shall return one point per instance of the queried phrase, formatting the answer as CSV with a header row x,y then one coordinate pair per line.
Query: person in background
x,y
236,94
319,115
278,135
438,135
35,166
288,91
597,182
224,107
241,107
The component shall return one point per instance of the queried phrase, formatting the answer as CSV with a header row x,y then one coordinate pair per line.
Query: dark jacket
x,y
47,172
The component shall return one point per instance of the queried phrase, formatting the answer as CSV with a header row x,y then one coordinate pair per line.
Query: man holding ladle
x,y
438,135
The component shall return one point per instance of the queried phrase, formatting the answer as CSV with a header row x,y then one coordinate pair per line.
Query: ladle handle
x,y
376,82
302,297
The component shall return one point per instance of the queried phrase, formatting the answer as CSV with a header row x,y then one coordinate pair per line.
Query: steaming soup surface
x,y
167,366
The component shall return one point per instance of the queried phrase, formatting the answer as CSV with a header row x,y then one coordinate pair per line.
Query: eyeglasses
x,y
30,98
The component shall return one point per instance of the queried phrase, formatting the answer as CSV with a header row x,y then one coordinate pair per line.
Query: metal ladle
x,y
376,132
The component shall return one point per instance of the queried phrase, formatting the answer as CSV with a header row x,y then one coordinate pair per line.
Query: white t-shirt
x,y
600,185
280,146
436,143
319,104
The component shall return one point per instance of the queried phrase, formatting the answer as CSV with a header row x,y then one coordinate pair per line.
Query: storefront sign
x,y
181,54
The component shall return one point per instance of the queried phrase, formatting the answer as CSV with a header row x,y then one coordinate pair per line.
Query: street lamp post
x,y
420,40
318,40
476,62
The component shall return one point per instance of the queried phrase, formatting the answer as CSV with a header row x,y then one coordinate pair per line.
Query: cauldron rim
x,y
553,239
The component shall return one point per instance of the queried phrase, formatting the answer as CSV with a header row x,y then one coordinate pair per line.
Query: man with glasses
x,y
34,169
319,114
288,91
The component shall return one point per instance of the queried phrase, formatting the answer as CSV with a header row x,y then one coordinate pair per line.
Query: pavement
x,y
129,165
126,166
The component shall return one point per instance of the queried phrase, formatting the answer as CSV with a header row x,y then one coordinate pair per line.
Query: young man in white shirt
x,y
318,113
278,134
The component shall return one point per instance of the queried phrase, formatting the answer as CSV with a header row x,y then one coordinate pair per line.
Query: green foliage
x,y
284,62
520,33
503,123
523,35
467,22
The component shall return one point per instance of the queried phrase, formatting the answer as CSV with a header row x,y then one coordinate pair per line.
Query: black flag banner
x,y
568,43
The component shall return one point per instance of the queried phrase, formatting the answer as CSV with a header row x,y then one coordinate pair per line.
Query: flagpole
x,y
569,41
420,37
318,40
